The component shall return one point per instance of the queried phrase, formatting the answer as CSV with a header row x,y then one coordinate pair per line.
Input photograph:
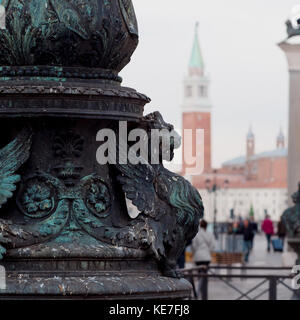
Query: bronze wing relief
x,y
12,157
170,206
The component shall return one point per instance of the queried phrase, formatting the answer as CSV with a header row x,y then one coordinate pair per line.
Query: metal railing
x,y
267,278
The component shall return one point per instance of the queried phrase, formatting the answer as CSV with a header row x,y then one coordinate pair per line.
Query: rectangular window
x,y
202,92
188,91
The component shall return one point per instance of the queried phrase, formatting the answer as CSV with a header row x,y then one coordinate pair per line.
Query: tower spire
x,y
196,65
280,142
250,143
250,135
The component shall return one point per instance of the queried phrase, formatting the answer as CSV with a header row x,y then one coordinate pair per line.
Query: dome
x,y
69,38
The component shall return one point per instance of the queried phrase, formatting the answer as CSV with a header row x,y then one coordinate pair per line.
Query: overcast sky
x,y
248,71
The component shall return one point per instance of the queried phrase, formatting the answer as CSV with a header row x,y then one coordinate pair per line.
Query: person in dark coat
x,y
254,227
281,231
247,232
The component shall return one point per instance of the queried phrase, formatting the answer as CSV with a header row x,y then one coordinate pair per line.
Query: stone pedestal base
x,y
94,286
95,271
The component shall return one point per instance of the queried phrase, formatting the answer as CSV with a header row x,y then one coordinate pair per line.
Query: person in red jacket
x,y
268,228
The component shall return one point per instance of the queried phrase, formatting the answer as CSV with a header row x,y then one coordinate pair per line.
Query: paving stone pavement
x,y
218,290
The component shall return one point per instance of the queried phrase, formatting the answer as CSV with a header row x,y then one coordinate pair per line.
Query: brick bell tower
x,y
250,152
280,141
196,107
250,144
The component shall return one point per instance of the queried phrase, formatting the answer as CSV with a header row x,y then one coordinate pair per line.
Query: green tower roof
x,y
196,60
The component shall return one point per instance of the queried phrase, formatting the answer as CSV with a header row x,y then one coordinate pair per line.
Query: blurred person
x,y
240,222
230,226
202,246
254,227
235,227
181,259
268,228
247,233
281,231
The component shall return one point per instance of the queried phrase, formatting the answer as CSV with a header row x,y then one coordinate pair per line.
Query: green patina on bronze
x,y
65,228
68,33
291,216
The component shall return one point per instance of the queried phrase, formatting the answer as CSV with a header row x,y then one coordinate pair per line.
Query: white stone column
x,y
292,50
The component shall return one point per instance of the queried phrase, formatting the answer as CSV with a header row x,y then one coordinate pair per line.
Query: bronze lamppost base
x,y
95,271
65,228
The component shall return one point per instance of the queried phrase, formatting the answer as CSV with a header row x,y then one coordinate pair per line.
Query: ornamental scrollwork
x,y
170,207
45,196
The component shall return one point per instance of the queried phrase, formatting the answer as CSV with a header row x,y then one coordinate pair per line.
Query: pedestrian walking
x,y
247,233
202,246
268,229
281,231
236,227
254,227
